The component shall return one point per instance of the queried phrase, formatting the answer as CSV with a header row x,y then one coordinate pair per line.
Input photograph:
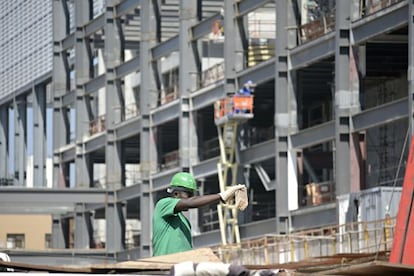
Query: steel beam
x,y
381,22
95,143
314,135
126,6
62,257
95,84
128,128
206,168
128,67
95,25
45,196
165,48
68,153
68,42
161,181
68,99
166,113
313,217
260,73
207,239
203,28
258,153
259,228
37,208
128,193
380,115
246,6
312,52
207,96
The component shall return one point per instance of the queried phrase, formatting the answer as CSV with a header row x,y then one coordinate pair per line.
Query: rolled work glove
x,y
229,193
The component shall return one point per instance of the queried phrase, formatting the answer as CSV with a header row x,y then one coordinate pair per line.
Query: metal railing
x,y
358,237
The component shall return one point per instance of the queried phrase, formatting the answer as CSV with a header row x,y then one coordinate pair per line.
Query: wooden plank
x,y
164,262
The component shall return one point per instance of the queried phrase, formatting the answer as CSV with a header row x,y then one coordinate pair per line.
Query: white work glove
x,y
229,193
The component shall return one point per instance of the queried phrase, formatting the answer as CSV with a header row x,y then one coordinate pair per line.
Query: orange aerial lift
x,y
228,114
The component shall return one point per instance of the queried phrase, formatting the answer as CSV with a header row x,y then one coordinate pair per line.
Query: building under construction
x,y
103,101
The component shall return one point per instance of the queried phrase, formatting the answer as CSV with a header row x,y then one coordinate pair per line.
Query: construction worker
x,y
171,230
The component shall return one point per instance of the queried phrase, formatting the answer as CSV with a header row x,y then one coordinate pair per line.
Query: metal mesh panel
x,y
25,43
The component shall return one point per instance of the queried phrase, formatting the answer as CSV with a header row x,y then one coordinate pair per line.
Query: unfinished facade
x,y
129,101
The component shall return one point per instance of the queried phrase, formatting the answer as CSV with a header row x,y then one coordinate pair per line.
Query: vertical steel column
x,y
410,73
189,72
285,109
39,136
60,85
235,50
20,138
114,158
59,232
83,233
114,98
233,47
346,100
148,99
4,141
115,214
83,174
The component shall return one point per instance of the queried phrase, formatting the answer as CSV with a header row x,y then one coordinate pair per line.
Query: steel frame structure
x,y
348,122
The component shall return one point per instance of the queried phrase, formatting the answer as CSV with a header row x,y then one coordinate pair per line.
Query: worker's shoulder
x,y
167,200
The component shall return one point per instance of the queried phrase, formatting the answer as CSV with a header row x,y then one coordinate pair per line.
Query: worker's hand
x,y
229,193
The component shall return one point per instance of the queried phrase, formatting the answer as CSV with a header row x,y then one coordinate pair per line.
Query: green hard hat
x,y
185,180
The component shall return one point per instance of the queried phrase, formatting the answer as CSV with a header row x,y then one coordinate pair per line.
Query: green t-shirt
x,y
171,233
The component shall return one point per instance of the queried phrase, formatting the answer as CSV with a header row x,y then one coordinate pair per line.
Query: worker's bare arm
x,y
196,202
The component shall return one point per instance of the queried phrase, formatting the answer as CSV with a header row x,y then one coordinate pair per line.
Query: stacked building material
x,y
260,50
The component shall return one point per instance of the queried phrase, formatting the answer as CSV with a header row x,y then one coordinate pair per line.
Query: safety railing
x,y
372,6
318,27
212,75
236,104
359,237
